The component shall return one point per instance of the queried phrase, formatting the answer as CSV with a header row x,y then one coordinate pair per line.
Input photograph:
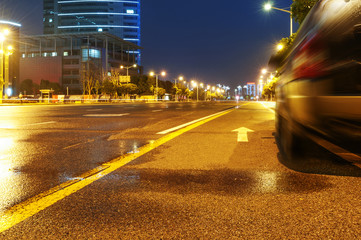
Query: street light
x,y
180,78
268,6
195,84
7,55
3,35
280,47
128,67
156,81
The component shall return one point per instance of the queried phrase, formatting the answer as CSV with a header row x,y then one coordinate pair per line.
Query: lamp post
x,y
128,67
2,39
3,35
195,84
268,6
7,55
156,81
180,78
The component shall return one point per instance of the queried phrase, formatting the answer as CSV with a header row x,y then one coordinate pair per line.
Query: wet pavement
x,y
204,184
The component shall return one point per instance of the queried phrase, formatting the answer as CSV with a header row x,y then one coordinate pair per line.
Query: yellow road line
x,y
30,207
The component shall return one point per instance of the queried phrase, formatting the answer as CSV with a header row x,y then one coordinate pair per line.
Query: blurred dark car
x,y
319,87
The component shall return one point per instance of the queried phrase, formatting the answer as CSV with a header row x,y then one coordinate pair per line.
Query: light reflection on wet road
x,y
200,185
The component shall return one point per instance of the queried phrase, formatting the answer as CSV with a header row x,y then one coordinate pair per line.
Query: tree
x,y
126,89
167,85
182,91
108,87
143,83
97,87
28,87
92,74
300,9
269,89
46,84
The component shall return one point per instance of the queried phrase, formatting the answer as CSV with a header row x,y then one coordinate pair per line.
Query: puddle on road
x,y
219,182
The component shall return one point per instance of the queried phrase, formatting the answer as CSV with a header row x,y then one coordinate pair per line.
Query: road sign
x,y
124,79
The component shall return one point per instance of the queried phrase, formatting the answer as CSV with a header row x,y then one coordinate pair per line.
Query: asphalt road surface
x,y
167,171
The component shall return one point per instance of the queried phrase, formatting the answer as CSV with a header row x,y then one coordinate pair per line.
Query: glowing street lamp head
x,y
264,71
6,32
151,74
121,66
194,84
268,6
10,48
180,78
163,73
280,47
135,65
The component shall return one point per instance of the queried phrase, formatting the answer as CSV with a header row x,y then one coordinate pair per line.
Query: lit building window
x,y
100,29
50,20
66,54
130,11
93,53
54,54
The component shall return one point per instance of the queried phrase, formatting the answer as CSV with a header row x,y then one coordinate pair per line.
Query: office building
x,y
66,59
117,17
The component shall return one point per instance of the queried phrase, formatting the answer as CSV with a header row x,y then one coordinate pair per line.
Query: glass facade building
x,y
117,17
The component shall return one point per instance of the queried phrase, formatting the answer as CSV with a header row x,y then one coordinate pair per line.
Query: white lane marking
x,y
268,108
41,123
242,134
93,110
157,110
106,115
189,123
75,145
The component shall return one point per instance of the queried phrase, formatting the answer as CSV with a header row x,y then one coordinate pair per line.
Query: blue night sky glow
x,y
211,41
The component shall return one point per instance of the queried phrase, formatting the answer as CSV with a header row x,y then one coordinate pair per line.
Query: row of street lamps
x,y
181,80
268,6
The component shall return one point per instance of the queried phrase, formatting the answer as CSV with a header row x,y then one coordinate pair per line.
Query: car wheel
x,y
289,141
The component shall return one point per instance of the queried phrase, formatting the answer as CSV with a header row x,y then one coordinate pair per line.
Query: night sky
x,y
225,42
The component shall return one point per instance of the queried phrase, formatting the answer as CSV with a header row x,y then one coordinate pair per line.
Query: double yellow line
x,y
30,207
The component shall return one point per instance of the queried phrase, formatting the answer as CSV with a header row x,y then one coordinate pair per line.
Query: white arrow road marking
x,y
242,134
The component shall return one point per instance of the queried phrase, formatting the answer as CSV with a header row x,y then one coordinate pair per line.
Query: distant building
x,y
12,39
66,58
260,87
119,18
251,89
